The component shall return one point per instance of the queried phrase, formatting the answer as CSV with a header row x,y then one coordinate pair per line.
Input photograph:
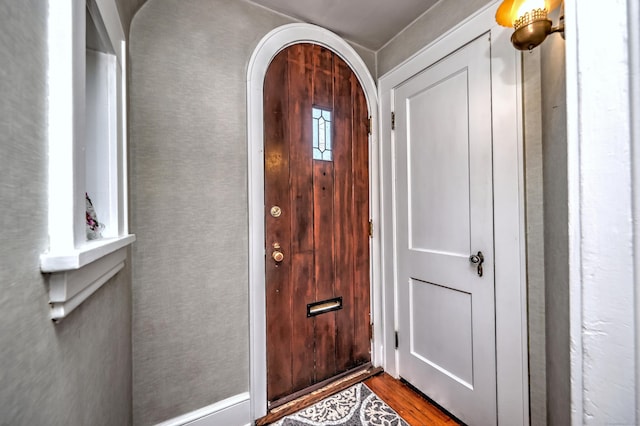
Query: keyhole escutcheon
x,y
478,260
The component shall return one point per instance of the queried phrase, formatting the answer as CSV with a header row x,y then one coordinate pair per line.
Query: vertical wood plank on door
x,y
322,77
323,216
278,293
344,235
324,269
301,193
362,299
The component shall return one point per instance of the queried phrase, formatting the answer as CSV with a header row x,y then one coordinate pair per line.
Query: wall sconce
x,y
529,20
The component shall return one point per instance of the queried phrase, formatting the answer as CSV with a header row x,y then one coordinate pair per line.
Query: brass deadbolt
x,y
277,256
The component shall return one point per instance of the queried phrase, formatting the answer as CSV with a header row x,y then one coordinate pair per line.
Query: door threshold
x,y
309,396
328,383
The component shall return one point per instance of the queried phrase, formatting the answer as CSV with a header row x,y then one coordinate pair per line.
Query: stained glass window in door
x,y
321,134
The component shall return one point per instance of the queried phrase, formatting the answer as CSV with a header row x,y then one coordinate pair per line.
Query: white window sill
x,y
83,256
76,275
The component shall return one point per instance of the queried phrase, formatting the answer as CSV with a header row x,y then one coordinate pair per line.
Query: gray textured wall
x,y
534,199
188,62
126,9
79,371
368,56
189,201
556,239
438,20
443,16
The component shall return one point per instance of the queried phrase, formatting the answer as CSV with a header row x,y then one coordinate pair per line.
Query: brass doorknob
x,y
277,256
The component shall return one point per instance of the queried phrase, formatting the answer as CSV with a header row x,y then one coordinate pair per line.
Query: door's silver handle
x,y
477,259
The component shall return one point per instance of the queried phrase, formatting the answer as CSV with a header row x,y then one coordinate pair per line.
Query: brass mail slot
x,y
324,306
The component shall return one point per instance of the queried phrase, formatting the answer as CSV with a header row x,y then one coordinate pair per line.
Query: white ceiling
x,y
370,23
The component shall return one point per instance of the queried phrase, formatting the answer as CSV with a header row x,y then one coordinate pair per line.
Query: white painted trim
x,y
76,275
70,257
65,112
235,410
70,288
465,31
84,255
574,225
603,189
123,191
510,265
573,191
512,357
634,52
264,52
111,20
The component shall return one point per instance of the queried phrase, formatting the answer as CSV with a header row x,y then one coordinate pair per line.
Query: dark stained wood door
x,y
317,217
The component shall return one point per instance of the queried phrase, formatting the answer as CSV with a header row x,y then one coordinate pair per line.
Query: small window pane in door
x,y
321,134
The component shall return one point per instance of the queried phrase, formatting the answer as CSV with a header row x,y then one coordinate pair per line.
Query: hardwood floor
x,y
410,405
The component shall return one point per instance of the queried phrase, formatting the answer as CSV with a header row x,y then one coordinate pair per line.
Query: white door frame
x,y
603,163
267,48
508,186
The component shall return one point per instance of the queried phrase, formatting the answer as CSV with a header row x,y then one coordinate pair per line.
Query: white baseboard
x,y
233,411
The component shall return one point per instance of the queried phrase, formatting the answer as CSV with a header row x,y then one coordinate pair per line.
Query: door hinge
x,y
371,331
371,228
393,121
369,125
396,340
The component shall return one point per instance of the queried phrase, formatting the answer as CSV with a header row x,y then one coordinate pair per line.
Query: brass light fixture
x,y
529,20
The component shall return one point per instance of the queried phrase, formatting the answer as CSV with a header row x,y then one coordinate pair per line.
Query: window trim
x,y
77,267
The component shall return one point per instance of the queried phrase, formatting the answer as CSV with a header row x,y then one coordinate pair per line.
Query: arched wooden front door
x,y
316,219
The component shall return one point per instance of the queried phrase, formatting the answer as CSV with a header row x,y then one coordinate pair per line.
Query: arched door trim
x,y
267,48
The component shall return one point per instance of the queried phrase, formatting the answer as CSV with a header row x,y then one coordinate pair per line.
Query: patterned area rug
x,y
354,406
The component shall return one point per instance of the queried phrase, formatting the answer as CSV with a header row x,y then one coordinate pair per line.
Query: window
x,y
321,134
87,150
100,125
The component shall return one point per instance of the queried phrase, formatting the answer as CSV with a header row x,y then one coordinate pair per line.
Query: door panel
x,y
446,312
322,230
447,347
447,227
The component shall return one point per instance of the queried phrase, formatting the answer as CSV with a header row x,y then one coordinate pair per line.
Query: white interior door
x,y
446,310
